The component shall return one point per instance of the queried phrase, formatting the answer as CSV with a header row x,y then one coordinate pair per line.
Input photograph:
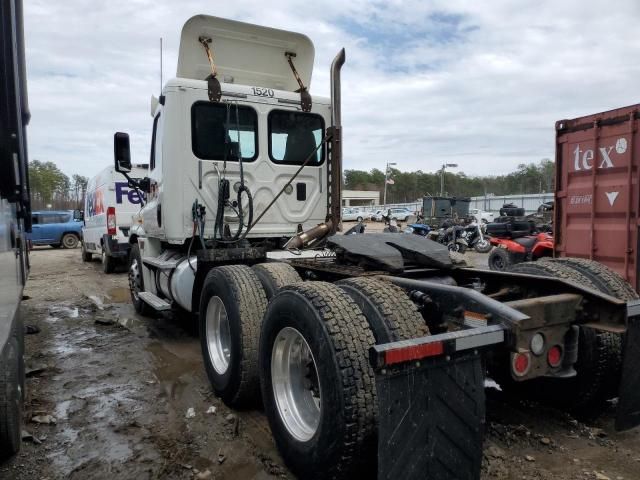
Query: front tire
x,y
70,240
232,305
317,385
136,282
86,256
360,219
500,260
483,246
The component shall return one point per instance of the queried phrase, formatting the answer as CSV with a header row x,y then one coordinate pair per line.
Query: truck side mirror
x,y
122,152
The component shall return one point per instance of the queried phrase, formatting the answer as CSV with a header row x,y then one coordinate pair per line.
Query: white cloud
x,y
475,83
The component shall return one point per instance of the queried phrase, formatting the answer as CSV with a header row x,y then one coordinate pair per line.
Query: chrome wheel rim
x,y
296,386
134,278
482,244
218,335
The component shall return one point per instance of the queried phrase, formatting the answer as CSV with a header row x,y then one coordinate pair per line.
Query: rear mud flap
x,y
431,415
628,412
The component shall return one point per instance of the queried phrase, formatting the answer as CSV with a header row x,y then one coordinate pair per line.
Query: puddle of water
x,y
173,371
120,295
51,318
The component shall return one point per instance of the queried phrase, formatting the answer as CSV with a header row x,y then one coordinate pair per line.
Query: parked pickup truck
x,y
481,216
58,228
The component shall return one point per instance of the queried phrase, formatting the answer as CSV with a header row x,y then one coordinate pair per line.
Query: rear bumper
x,y
114,248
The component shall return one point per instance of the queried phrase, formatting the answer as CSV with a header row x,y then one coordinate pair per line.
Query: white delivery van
x,y
109,206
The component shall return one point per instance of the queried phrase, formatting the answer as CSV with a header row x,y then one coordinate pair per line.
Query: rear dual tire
x,y
322,408
232,305
308,353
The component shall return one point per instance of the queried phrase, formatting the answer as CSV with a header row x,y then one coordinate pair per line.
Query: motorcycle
x,y
474,235
451,237
418,229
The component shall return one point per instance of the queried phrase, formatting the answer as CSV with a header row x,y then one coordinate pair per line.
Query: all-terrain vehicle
x,y
516,239
368,352
509,251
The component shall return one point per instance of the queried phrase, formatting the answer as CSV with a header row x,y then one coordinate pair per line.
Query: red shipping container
x,y
597,202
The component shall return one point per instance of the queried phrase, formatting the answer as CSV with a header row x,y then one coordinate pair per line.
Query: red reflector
x,y
554,356
417,352
111,220
521,364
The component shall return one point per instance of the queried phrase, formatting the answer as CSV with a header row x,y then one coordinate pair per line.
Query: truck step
x,y
154,301
159,263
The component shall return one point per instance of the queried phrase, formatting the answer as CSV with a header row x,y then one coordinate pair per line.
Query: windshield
x,y
293,136
209,135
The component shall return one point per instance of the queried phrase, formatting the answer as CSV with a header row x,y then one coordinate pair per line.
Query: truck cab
x,y
257,134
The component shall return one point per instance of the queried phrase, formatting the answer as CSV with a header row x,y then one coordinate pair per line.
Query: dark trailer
x,y
437,209
14,221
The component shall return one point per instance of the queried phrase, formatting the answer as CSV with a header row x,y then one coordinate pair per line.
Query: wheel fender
x,y
542,249
513,247
201,274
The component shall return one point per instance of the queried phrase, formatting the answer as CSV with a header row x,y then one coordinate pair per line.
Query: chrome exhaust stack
x,y
334,166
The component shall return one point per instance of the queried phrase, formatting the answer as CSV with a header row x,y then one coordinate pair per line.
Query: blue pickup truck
x,y
58,228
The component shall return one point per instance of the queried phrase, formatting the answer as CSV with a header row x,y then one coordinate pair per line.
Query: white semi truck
x,y
368,355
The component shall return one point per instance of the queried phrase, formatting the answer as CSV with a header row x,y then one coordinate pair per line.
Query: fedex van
x,y
109,205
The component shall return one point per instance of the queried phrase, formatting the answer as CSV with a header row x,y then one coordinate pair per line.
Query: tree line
x,y
411,186
52,189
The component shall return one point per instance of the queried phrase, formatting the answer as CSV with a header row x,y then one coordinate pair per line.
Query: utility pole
x,y
386,177
445,165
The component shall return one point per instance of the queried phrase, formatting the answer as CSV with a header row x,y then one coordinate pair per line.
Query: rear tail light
x,y
520,363
111,221
554,356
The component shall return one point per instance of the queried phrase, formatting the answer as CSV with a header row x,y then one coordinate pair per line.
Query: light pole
x,y
386,176
445,165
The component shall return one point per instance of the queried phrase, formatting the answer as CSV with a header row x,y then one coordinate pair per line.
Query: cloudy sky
x,y
475,83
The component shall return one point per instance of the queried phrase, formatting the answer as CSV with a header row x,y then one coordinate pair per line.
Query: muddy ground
x,y
119,388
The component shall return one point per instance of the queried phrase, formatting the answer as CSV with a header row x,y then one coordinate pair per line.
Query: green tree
x,y
49,186
411,186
